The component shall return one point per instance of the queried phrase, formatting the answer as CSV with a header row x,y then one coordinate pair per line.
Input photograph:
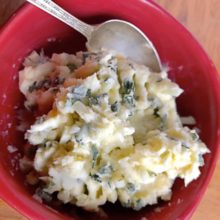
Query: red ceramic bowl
x,y
189,66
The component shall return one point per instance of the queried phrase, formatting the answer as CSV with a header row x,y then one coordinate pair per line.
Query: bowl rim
x,y
214,80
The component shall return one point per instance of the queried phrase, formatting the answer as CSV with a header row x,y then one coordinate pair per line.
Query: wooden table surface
x,y
202,18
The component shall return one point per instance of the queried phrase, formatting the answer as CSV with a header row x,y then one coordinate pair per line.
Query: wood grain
x,y
7,7
202,18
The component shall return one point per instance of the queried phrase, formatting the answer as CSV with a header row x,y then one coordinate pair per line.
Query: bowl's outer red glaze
x,y
189,66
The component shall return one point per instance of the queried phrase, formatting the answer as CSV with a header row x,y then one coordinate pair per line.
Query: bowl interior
x,y
188,65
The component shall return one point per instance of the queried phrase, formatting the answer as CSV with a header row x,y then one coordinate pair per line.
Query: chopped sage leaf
x,y
129,100
96,177
89,93
46,84
131,65
86,191
105,170
77,93
94,155
94,100
128,87
131,187
156,114
32,87
151,174
112,68
115,106
82,133
71,66
194,136
185,146
78,138
159,80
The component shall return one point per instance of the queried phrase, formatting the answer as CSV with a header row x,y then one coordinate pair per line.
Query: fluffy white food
x,y
113,135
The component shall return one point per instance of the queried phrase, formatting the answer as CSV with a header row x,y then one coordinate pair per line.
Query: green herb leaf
x,y
32,87
194,135
82,133
128,86
151,174
159,80
71,66
131,187
78,138
86,191
185,146
156,114
96,177
106,170
77,93
46,83
131,65
95,154
95,100
113,68
129,100
115,106
89,93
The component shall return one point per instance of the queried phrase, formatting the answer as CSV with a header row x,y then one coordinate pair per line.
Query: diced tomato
x,y
45,101
52,113
70,82
86,70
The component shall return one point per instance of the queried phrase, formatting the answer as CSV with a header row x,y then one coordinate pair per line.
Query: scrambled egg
x,y
113,132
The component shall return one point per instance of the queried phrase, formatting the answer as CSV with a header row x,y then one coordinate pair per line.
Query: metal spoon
x,y
117,35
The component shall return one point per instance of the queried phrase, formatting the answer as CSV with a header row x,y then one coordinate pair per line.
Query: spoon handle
x,y
58,12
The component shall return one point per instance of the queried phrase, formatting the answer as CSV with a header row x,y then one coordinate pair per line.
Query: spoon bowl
x,y
127,39
117,35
